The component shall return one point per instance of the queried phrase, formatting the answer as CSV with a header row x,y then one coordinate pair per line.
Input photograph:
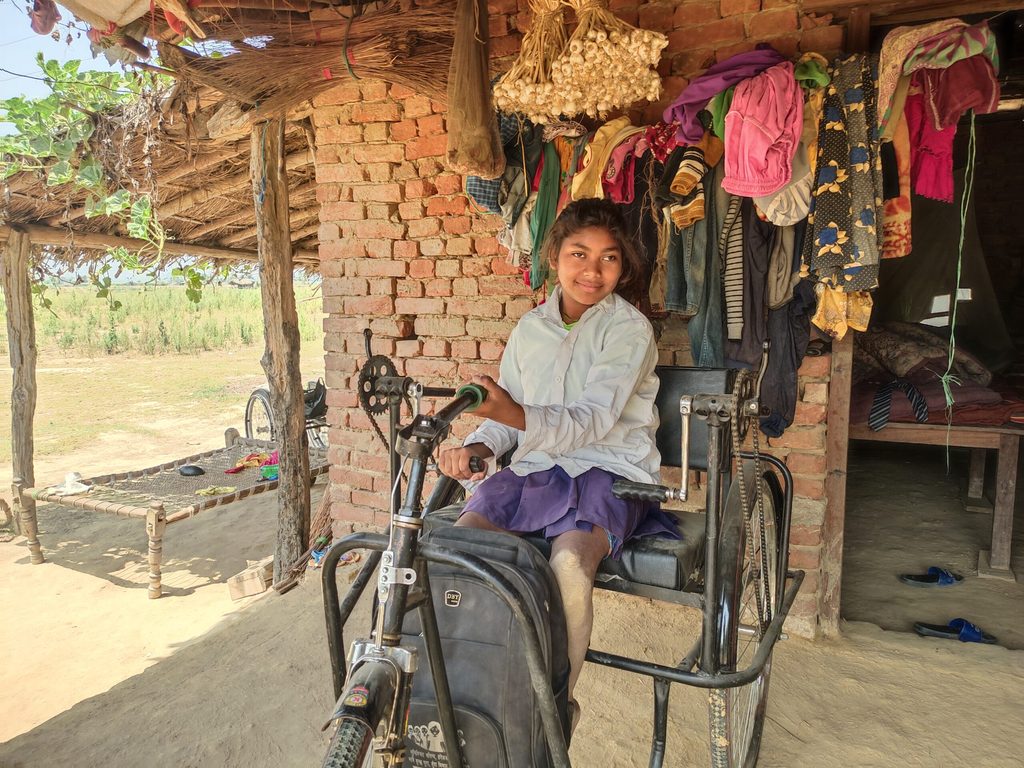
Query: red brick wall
x,y
404,251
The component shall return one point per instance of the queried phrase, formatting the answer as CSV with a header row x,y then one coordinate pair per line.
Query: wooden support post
x,y
156,522
281,326
837,444
996,562
21,342
858,30
975,500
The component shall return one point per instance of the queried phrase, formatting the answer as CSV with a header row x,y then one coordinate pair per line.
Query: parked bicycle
x,y
261,425
732,564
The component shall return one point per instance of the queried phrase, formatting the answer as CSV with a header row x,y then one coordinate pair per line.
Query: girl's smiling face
x,y
589,265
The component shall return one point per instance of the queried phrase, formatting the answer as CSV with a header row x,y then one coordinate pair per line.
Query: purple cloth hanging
x,y
722,75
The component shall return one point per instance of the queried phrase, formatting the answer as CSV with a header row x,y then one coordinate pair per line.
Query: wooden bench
x,y
994,562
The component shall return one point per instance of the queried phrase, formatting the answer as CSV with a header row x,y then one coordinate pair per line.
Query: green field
x,y
158,320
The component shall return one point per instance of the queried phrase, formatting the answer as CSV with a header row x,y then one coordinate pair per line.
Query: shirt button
x,y
558,379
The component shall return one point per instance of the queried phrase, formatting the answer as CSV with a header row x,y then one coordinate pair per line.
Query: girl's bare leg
x,y
575,556
474,520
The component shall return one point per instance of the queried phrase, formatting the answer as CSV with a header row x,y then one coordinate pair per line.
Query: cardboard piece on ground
x,y
253,580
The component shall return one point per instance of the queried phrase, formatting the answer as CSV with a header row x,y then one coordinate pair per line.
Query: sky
x,y
19,45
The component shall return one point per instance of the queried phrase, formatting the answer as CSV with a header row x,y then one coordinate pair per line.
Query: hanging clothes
x,y
842,246
687,106
792,203
931,157
896,46
587,180
839,311
950,92
951,46
730,251
718,108
762,131
544,214
697,287
897,238
789,332
758,239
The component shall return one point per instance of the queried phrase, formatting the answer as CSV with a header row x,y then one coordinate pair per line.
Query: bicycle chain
x,y
375,367
741,422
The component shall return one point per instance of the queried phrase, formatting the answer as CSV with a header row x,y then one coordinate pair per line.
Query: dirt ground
x,y
905,513
97,675
94,674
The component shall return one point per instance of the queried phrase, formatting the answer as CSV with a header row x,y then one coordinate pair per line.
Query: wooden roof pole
x,y
199,164
281,329
200,195
21,336
61,237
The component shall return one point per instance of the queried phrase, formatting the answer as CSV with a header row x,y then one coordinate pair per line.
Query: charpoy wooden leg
x,y
156,521
25,511
976,501
996,561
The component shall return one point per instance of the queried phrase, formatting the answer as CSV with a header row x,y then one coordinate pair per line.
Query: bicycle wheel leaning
x,y
259,418
748,598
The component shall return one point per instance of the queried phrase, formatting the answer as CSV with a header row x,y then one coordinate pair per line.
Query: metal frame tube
x,y
709,631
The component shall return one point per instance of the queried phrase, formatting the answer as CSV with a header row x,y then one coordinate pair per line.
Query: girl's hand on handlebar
x,y
454,462
499,405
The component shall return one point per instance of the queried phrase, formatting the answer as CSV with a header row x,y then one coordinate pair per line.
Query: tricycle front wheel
x,y
748,580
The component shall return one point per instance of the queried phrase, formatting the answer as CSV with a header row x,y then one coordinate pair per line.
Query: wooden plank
x,y
931,434
88,241
21,343
837,445
1006,493
858,30
886,12
281,326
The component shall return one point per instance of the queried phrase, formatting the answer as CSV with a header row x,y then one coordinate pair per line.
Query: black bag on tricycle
x,y
498,719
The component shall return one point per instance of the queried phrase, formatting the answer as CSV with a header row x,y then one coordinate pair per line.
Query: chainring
x,y
743,390
375,368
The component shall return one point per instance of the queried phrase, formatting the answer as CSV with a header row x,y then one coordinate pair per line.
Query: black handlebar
x,y
476,464
630,489
468,398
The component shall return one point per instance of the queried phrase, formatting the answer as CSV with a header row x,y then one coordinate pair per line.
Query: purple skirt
x,y
551,503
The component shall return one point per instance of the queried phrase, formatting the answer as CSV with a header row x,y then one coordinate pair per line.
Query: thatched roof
x,y
195,165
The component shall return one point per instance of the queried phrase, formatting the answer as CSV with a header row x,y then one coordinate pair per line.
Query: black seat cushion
x,y
652,560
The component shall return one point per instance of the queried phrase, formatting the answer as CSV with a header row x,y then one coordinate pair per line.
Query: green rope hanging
x,y
947,378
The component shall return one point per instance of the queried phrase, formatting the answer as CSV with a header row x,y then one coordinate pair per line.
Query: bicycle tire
x,y
736,715
259,416
351,746
317,436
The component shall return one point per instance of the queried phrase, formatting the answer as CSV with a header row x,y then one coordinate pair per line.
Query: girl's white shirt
x,y
588,392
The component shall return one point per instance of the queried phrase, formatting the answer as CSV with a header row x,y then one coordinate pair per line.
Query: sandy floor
x,y
97,675
904,514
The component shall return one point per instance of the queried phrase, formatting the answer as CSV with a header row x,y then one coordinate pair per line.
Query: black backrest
x,y
677,381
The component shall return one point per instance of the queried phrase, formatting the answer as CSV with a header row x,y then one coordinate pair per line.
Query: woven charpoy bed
x,y
160,495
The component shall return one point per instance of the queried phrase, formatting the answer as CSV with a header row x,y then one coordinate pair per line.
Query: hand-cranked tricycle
x,y
731,564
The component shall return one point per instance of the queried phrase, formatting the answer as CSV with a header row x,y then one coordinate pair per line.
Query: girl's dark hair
x,y
594,212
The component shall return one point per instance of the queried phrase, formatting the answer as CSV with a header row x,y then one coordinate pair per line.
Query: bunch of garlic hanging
x,y
606,65
527,86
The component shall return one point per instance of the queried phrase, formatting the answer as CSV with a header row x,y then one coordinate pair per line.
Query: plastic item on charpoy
x,y
269,472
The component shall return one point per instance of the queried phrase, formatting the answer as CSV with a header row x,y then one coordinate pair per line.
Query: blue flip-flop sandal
x,y
936,577
957,629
